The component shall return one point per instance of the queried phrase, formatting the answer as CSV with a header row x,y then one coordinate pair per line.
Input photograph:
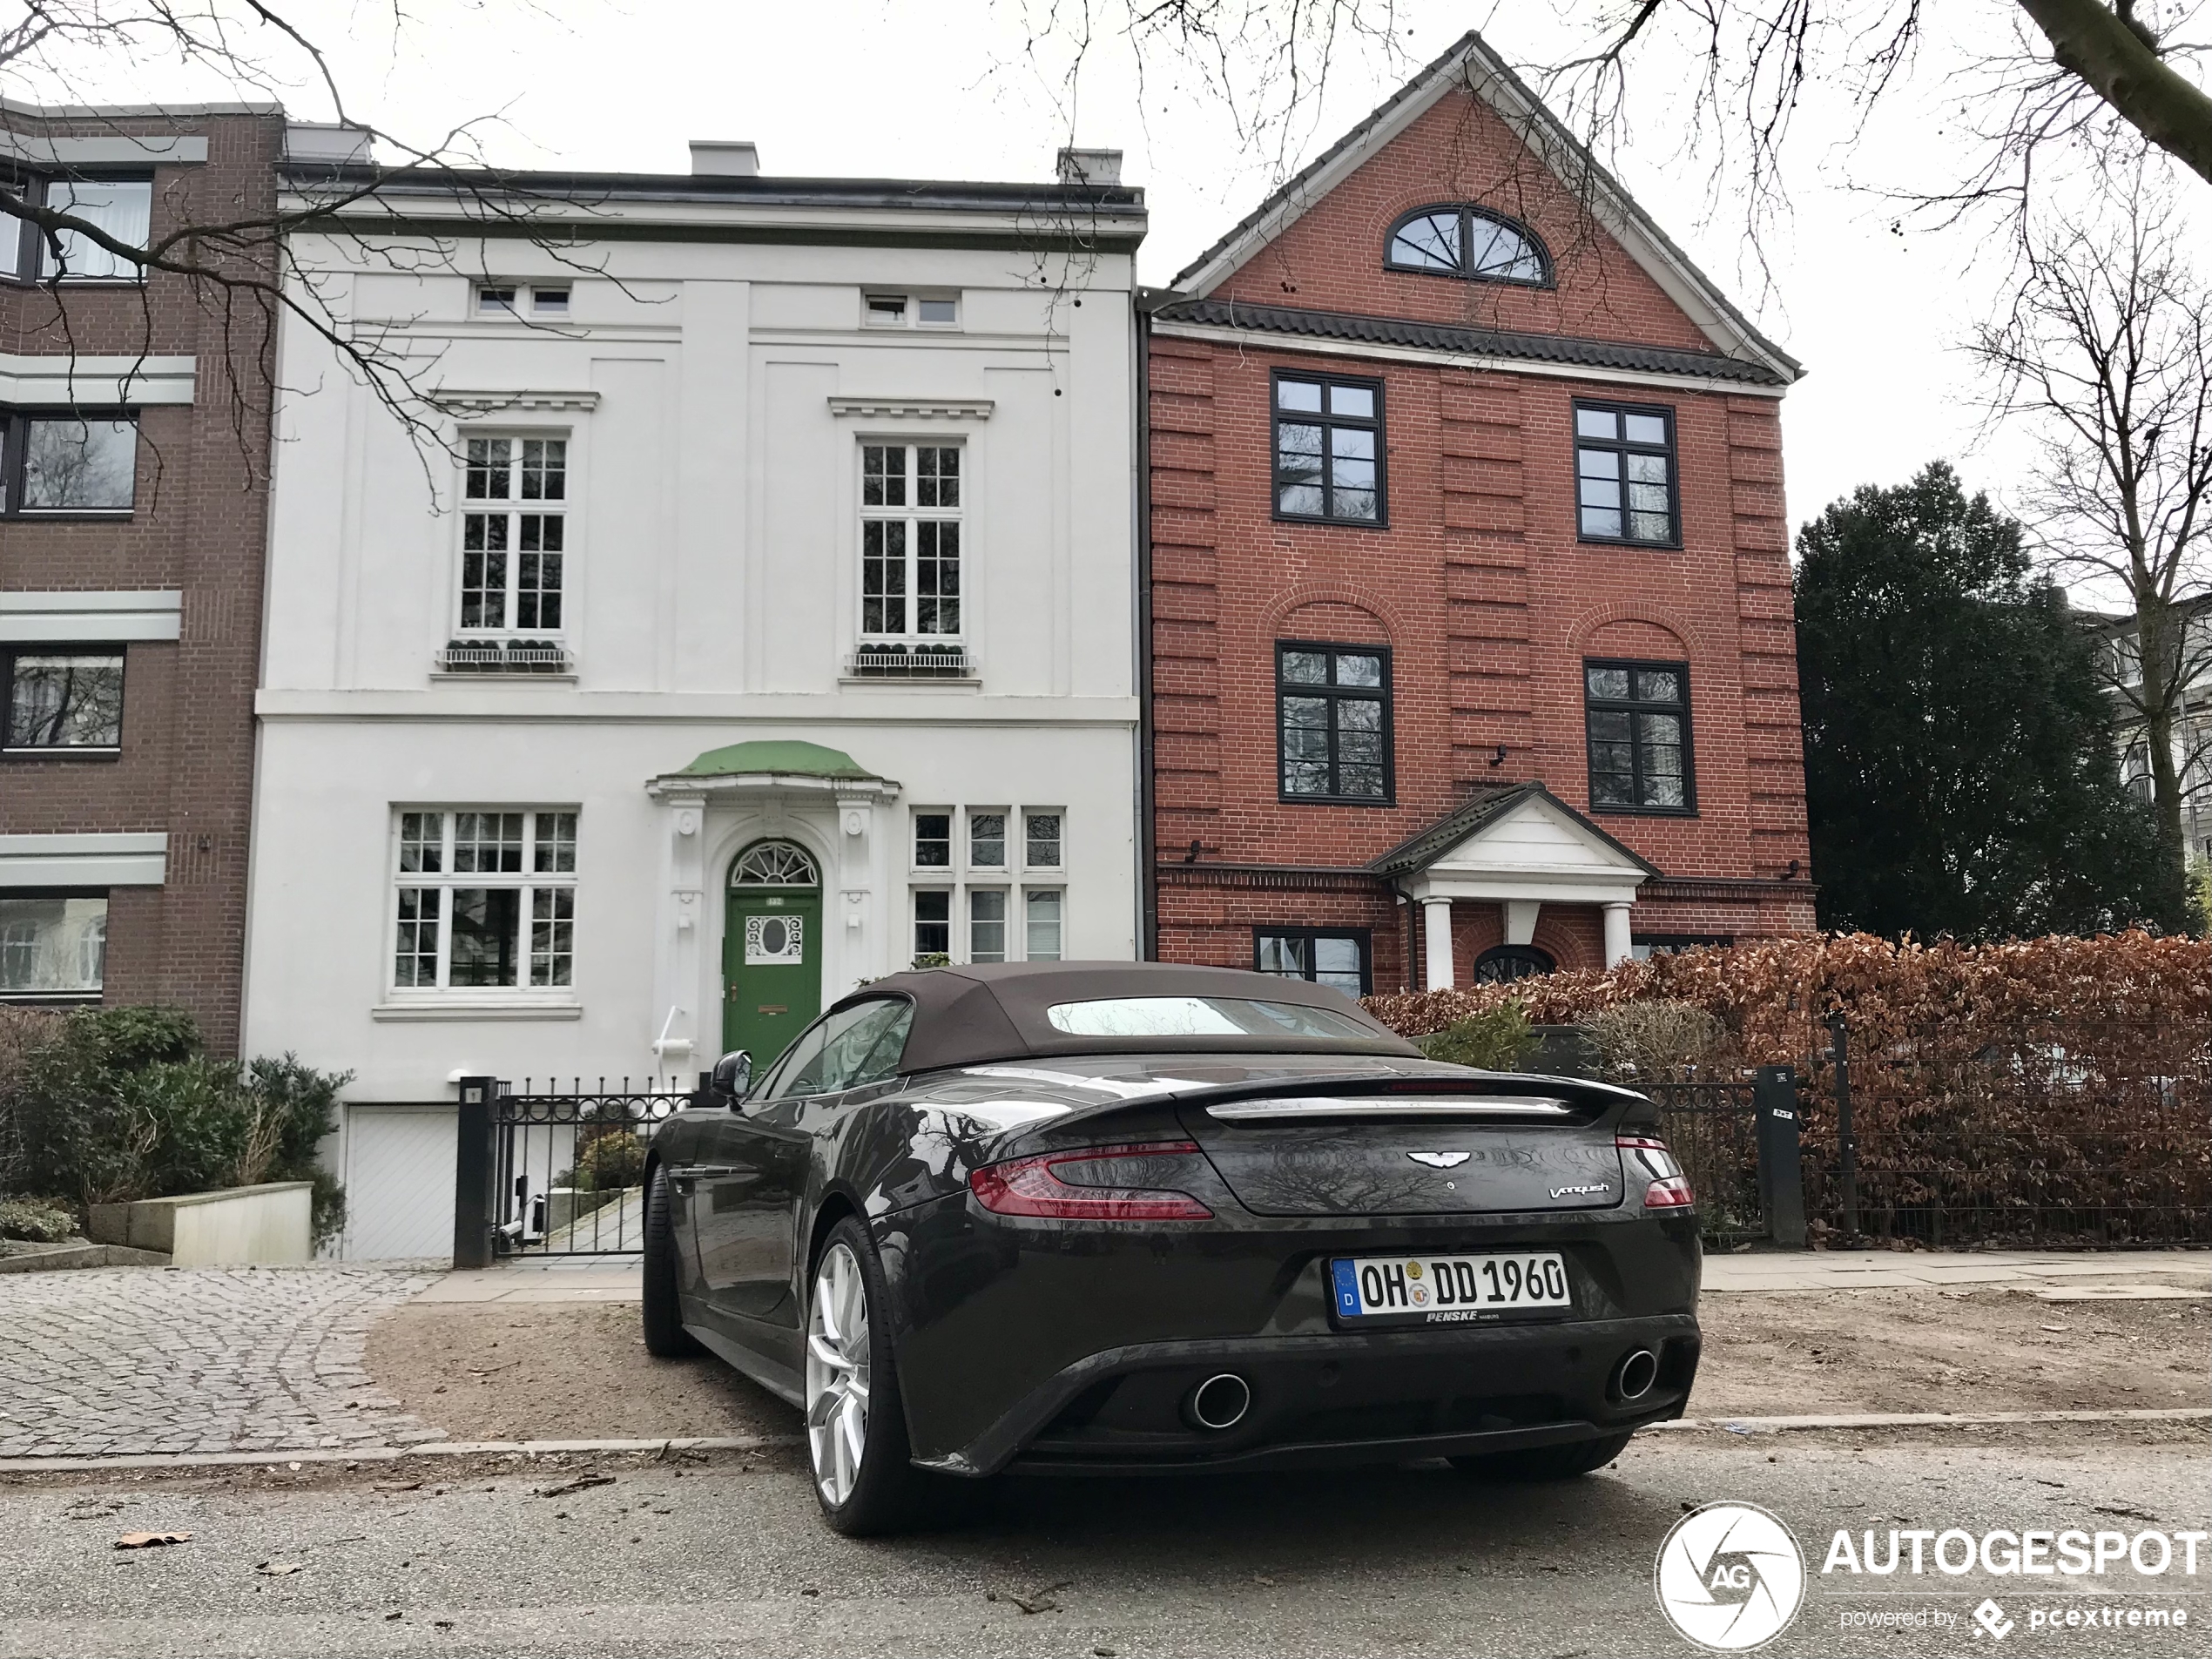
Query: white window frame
x,y
909,517
527,303
910,301
962,877
547,901
515,509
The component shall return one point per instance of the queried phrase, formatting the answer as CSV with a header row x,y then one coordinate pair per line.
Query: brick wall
x,y
1478,584
198,525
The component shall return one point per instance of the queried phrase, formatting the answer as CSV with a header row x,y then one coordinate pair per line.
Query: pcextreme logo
x,y
1729,1577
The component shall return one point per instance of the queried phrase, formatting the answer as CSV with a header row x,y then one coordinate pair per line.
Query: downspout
x,y
1148,892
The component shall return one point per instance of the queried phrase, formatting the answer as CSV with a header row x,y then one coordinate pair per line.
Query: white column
x,y
1436,922
1616,935
1520,920
846,919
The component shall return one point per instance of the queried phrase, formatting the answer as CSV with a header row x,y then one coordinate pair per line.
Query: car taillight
x,y
1029,1187
1670,1189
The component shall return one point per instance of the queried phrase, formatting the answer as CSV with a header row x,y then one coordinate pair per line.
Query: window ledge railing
x,y
505,656
900,662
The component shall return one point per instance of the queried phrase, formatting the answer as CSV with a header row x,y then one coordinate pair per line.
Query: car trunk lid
x,y
1412,1148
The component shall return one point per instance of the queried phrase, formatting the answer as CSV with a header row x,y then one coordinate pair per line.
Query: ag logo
x,y
1729,1577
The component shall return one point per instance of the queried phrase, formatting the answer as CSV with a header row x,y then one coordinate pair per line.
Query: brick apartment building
x,y
135,453
1471,643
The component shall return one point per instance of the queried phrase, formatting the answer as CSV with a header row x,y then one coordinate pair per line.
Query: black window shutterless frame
x,y
14,744
1617,447
1628,710
1351,445
1289,952
15,444
1316,752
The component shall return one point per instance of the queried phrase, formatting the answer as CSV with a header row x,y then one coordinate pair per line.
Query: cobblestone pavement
x,y
102,1361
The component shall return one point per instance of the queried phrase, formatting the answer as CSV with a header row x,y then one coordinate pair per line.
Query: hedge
x,y
2037,1090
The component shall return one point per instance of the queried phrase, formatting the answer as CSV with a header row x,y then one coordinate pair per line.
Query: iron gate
x,y
549,1171
1738,1144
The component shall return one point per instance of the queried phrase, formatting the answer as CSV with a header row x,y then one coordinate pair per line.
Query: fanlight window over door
x,y
1502,964
774,863
1469,243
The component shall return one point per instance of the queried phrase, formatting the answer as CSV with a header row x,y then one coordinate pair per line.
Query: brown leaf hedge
x,y
2036,1091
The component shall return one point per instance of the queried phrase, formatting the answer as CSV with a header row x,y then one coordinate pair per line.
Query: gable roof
x,y
1469,62
1486,805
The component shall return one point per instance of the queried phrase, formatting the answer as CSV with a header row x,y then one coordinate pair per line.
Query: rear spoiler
x,y
1518,1097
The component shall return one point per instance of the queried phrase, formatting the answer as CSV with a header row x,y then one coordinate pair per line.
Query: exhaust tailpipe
x,y
1633,1377
1218,1403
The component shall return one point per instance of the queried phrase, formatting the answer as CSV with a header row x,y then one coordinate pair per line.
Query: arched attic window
x,y
1467,242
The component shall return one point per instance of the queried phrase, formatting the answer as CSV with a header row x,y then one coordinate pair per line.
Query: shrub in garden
x,y
1497,1039
39,1220
117,1104
1648,1040
610,1163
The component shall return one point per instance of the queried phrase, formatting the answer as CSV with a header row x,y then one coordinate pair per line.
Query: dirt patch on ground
x,y
556,1371
1778,1353
565,1370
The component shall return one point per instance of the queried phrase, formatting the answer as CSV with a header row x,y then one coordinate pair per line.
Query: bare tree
x,y
241,266
2032,83
2105,354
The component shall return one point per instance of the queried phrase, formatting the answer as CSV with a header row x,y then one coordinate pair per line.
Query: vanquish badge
x,y
1729,1577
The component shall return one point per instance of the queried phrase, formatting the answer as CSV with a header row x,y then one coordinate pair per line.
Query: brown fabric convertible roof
x,y
972,1016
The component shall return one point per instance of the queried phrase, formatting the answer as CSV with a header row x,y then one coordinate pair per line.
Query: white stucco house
x,y
761,621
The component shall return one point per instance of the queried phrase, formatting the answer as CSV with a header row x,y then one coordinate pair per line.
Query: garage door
x,y
399,1182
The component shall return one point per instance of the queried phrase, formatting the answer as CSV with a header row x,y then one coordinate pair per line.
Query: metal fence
x,y
567,1165
2082,1134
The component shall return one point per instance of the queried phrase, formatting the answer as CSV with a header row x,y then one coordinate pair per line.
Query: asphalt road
x,y
729,1558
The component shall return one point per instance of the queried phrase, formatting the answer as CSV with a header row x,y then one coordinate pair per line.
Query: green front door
x,y
771,969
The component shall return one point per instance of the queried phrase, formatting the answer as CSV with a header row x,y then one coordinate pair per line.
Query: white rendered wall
x,y
711,595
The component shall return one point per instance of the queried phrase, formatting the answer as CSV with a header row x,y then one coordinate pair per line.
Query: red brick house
x,y
1470,642
134,455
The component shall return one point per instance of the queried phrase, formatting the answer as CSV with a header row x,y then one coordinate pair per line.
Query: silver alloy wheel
x,y
837,1373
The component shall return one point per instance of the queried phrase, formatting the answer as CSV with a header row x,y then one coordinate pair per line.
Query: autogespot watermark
x,y
1730,1577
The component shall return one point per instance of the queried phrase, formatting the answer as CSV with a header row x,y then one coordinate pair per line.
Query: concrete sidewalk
x,y
576,1279
2054,1275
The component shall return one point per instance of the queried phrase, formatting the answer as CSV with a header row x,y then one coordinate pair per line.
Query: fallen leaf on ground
x,y
580,1483
280,1569
1035,1601
149,1540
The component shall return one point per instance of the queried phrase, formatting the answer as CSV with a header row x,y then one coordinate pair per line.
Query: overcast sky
x,y
962,88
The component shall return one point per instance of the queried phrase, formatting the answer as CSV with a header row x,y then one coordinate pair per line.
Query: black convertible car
x,y
1123,1217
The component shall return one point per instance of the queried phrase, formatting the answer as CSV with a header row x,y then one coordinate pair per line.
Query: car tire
x,y
1543,1462
665,1337
879,1491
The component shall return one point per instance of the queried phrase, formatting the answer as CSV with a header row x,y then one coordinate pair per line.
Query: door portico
x,y
1519,848
833,815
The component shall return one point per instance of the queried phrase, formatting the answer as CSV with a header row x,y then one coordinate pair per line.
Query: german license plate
x,y
1448,1290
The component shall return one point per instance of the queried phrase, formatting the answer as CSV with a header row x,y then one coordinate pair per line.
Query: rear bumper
x,y
1347,1397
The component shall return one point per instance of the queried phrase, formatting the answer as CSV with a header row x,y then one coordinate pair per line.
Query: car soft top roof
x,y
973,1015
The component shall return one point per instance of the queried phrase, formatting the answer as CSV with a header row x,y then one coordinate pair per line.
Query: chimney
x,y
1090,166
324,141
724,158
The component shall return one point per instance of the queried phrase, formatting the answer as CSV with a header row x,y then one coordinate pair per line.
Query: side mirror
x,y
732,1074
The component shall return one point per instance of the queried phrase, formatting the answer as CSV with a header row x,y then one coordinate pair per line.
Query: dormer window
x,y
1470,243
